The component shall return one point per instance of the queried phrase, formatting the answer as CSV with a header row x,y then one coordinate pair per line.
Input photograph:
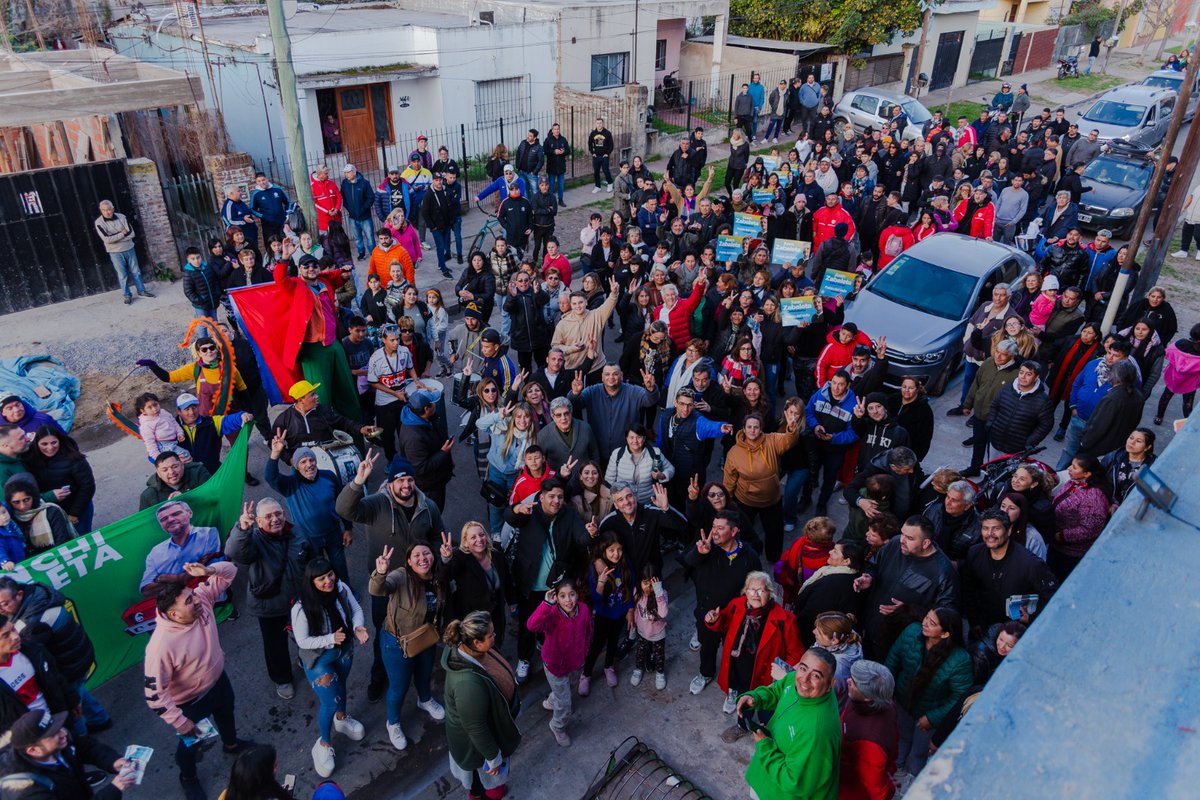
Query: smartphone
x,y
783,665
289,782
754,725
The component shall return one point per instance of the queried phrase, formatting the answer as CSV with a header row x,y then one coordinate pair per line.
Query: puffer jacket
x,y
529,330
833,416
276,567
949,683
836,355
1018,421
1068,264
1182,371
202,287
43,617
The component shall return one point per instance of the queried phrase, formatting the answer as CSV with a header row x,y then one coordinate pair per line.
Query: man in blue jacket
x,y
758,96
1089,389
270,204
829,414
358,198
310,494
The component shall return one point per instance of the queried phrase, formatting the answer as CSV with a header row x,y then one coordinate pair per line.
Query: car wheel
x,y
839,125
939,386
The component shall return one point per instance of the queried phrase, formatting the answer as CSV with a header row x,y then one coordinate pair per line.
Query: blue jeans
x,y
531,180
441,243
558,184
364,234
794,483
496,515
771,378
93,712
773,128
1071,443
332,695
969,371
457,238
754,122
505,318
126,266
401,671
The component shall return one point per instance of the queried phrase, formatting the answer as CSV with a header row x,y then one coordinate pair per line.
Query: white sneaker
x,y
789,526
433,708
660,680
730,704
349,727
548,703
775,140
1198,255
609,189
522,671
323,761
1179,254
285,690
396,734
694,644
635,677
596,190
698,683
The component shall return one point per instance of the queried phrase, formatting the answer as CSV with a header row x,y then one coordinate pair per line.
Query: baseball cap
x,y
420,400
33,726
349,168
186,400
491,335
301,388
509,168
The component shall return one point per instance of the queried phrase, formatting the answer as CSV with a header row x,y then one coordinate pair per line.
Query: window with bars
x,y
501,98
609,70
875,72
660,55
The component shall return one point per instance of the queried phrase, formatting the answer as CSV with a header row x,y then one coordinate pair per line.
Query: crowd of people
x,y
639,411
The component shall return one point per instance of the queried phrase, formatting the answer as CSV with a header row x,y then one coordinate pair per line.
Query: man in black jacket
x,y
681,168
544,207
954,520
699,149
995,570
639,527
265,542
423,443
516,216
719,563
43,762
529,158
1022,413
600,146
543,525
557,150
438,211
40,614
29,678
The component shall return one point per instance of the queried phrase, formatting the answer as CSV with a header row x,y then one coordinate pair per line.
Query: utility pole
x,y
1171,206
293,129
1116,35
916,71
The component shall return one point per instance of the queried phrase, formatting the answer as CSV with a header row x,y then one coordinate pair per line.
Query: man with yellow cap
x,y
307,421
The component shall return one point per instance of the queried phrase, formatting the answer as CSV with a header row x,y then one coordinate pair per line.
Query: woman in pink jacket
x,y
405,234
567,626
1181,374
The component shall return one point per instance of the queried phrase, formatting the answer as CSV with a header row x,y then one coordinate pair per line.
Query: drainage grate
x,y
635,772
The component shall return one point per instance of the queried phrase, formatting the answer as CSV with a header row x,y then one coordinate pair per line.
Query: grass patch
x,y
1089,83
712,117
666,127
961,108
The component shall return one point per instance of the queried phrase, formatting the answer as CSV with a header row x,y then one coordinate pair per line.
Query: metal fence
x,y
193,210
1072,38
708,103
471,146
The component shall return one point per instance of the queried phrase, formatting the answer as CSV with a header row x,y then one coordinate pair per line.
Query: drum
x,y
341,457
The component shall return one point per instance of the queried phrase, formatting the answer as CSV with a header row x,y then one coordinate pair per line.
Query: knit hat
x,y
471,311
840,230
302,453
400,468
877,397
1049,283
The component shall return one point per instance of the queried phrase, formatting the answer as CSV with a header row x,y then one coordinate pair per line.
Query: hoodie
x,y
752,468
33,418
567,638
185,661
1182,371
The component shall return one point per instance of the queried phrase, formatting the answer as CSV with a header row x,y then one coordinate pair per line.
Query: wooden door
x,y
358,126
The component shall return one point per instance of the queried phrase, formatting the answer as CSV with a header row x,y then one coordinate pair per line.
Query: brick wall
x,y
230,169
624,115
156,225
1035,51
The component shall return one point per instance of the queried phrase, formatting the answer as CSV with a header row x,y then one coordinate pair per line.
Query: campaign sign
x,y
796,310
837,283
790,251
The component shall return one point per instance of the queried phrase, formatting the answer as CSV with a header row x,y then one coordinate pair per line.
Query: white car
x,y
872,107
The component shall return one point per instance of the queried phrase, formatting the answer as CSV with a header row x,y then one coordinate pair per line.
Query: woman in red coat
x,y
679,312
979,213
1067,368
757,631
807,555
870,736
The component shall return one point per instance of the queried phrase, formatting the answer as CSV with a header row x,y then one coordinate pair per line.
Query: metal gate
x,y
195,215
985,61
945,63
52,252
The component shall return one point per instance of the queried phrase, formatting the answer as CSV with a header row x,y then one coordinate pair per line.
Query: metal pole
x,y
1183,177
293,128
689,104
912,86
729,112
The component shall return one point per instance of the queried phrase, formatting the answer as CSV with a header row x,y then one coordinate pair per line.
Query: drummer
x,y
307,422
392,374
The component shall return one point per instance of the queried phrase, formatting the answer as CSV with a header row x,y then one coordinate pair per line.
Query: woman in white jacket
x,y
639,465
321,619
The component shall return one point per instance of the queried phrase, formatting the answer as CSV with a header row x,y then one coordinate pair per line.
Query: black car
x,y
1118,180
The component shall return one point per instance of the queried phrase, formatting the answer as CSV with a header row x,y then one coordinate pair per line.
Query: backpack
x,y
295,218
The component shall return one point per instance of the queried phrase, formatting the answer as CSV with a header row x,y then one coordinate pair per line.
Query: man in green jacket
x,y
14,444
797,752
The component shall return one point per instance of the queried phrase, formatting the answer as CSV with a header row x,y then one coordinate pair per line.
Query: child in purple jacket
x,y
567,625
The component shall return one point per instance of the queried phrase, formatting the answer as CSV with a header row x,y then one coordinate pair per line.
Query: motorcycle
x,y
1068,67
669,94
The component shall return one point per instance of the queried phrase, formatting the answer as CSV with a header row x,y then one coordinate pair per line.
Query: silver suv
x,y
1136,114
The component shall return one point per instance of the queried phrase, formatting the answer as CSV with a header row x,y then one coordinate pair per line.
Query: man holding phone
x,y
797,751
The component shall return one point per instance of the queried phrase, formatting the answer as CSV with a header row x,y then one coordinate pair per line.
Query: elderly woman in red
x,y
757,631
676,313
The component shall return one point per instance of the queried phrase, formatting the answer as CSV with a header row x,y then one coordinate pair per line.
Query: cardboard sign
x,y
747,224
729,248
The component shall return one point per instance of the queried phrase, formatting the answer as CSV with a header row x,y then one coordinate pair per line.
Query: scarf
x,y
825,571
38,528
751,628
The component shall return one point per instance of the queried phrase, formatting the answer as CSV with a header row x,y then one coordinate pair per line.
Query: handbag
x,y
418,641
494,493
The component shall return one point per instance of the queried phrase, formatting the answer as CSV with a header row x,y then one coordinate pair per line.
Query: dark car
x,y
1118,181
922,300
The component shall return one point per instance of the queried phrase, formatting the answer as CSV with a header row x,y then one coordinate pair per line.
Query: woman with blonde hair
x,y
834,631
512,430
478,575
405,234
1016,329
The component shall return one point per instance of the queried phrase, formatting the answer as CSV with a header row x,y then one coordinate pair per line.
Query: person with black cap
x,y
424,444
493,362
1072,181
516,216
43,762
835,252
877,431
396,516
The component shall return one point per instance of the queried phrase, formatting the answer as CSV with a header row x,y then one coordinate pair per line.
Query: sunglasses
x,y
490,390
208,348
716,494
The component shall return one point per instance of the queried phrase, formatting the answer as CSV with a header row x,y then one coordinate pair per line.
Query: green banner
x,y
100,571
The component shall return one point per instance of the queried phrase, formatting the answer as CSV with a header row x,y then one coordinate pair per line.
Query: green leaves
x,y
851,26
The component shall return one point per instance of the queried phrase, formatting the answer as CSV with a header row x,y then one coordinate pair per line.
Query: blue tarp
x,y
21,375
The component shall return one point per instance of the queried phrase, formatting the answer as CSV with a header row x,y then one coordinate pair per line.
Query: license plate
x,y
1085,217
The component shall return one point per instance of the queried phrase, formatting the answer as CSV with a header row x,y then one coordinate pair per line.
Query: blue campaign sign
x,y
747,224
729,248
837,283
790,251
762,196
796,310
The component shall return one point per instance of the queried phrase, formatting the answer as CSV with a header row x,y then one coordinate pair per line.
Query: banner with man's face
x,y
100,572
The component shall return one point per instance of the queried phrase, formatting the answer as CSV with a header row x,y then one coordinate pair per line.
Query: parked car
x,y
1136,114
921,302
1118,180
864,108
1170,79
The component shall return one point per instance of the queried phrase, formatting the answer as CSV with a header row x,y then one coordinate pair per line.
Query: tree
x,y
1156,14
851,26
